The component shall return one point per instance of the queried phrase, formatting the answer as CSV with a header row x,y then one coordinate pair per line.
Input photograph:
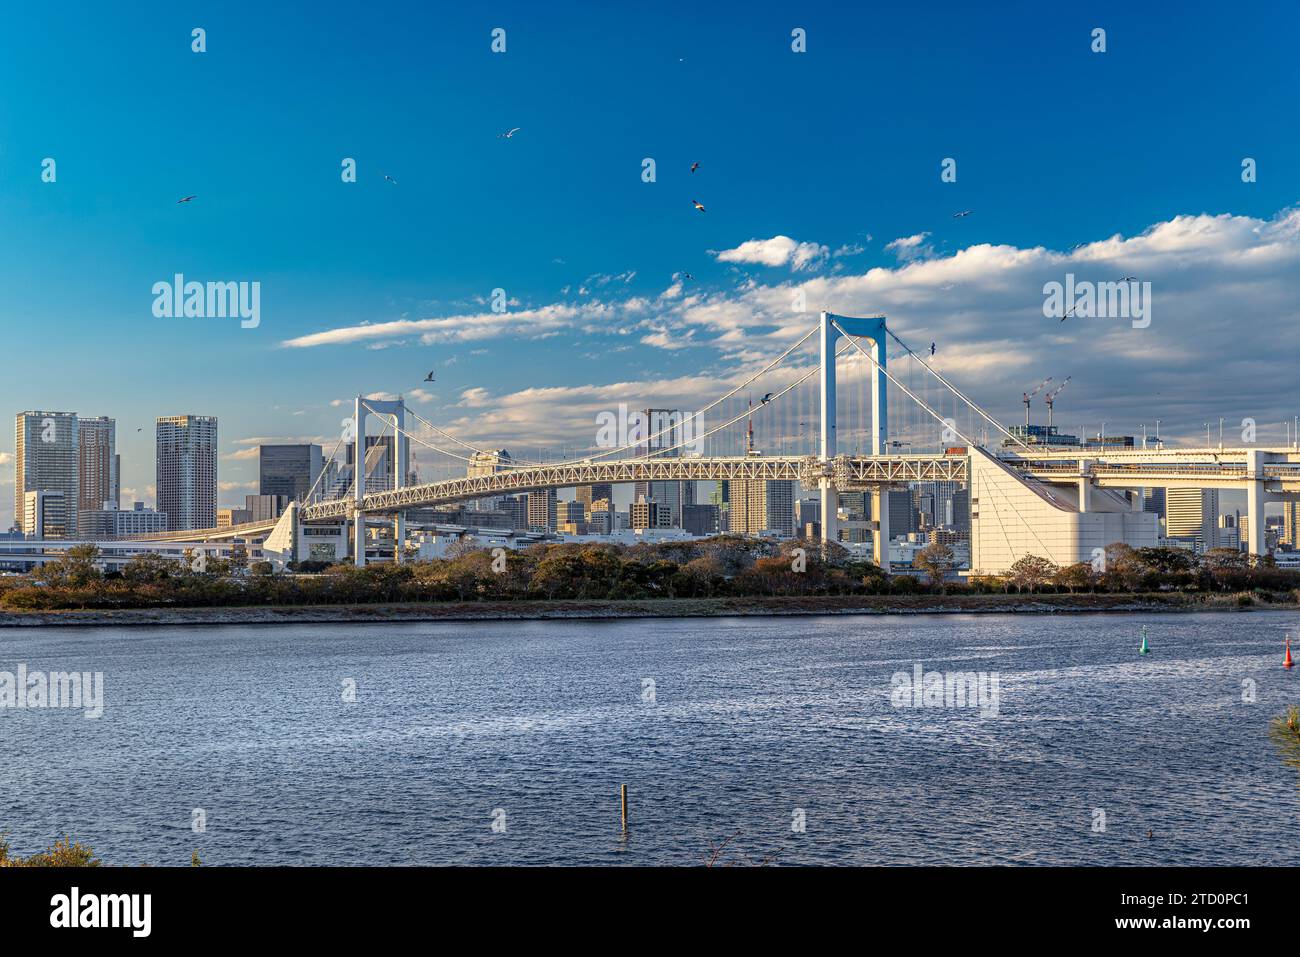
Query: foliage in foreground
x,y
62,853
1285,733
719,567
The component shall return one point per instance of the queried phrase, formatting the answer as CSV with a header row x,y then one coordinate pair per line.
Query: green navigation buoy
x,y
1144,650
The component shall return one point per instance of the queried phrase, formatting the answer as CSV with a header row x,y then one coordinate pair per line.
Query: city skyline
x,y
800,193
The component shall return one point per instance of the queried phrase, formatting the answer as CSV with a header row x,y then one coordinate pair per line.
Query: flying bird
x,y
694,167
767,398
185,199
687,275
389,179
932,349
964,212
508,134
698,205
429,378
1128,279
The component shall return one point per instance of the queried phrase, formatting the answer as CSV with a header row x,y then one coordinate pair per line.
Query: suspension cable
x,y
957,392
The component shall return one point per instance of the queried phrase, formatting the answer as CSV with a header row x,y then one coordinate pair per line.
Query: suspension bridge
x,y
848,406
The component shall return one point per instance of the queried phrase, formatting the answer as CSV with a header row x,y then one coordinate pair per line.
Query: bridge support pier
x,y
399,536
1255,498
880,527
830,511
359,538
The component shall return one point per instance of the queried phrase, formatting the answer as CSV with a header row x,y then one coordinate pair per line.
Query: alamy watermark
x,y
1126,298
55,689
952,689
213,300
658,430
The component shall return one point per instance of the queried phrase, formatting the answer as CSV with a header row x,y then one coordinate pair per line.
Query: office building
x,y
230,517
45,514
379,463
288,470
264,508
701,519
106,523
45,460
186,471
1192,514
586,494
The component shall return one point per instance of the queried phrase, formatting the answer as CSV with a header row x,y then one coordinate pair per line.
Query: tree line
x,y
722,566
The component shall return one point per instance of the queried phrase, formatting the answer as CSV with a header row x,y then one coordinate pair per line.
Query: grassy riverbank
x,y
652,608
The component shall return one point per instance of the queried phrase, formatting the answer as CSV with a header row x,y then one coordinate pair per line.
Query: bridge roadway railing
x,y
848,471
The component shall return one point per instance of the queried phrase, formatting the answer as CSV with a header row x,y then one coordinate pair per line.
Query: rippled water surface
x,y
751,719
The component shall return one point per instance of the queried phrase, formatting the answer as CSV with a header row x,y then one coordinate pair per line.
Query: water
x,y
753,719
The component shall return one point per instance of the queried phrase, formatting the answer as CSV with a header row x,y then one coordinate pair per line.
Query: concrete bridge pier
x,y
880,526
359,538
1255,499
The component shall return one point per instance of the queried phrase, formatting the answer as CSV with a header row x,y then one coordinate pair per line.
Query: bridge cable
x,y
957,392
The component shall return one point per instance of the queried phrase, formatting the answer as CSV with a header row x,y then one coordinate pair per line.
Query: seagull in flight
x,y
964,212
687,275
932,347
698,205
1128,279
429,378
694,167
767,398
508,134
185,199
389,179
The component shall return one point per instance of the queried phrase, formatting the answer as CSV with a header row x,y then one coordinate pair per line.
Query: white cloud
x,y
777,251
1216,279
911,247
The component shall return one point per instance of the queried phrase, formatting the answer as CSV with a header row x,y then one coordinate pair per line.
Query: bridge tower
x,y
401,456
874,330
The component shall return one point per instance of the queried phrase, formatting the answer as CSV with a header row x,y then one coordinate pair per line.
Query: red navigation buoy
x,y
1287,662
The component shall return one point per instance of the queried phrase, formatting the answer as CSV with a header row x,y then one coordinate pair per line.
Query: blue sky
x,y
838,147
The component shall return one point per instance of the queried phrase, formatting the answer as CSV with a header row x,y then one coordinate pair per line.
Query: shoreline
x,y
597,610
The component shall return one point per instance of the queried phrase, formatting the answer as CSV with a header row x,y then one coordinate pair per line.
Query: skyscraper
x,y
762,505
187,471
45,460
670,496
586,494
1290,522
1193,514
98,464
541,511
288,470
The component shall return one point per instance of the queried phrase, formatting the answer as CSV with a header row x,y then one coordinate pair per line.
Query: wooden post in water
x,y
623,801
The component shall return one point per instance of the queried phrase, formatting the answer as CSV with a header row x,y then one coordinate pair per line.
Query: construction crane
x,y
1029,395
1051,397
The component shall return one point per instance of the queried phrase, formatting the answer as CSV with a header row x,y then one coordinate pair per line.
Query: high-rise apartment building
x,y
1290,523
762,505
288,470
1193,514
98,464
541,511
186,471
45,460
